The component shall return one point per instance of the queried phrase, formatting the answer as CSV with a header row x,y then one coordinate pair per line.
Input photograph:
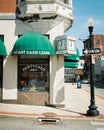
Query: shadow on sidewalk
x,y
63,109
83,114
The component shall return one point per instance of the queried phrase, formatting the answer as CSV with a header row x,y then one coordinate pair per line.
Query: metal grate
x,y
48,120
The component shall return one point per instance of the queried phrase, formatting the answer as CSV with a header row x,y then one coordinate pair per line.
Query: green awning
x,y
73,57
3,51
33,44
71,64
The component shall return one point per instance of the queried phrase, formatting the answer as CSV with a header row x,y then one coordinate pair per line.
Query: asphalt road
x,y
10,123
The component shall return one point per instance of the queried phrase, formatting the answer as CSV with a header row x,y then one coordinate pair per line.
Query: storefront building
x,y
71,64
30,67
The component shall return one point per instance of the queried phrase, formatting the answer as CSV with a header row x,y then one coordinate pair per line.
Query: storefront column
x,y
57,80
10,80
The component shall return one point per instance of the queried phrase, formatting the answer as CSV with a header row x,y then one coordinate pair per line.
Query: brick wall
x,y
7,6
99,42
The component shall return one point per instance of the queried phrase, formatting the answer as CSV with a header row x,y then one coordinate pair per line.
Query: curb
x,y
34,115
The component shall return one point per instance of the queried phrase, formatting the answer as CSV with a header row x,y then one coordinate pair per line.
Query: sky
x,y
82,11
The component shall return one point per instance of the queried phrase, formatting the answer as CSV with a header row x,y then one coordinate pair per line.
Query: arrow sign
x,y
92,51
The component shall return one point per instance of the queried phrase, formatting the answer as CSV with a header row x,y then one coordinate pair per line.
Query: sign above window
x,y
65,45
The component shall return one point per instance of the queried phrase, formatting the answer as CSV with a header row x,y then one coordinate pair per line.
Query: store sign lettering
x,y
25,52
33,68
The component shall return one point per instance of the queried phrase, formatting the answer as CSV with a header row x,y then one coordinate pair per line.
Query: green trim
x,y
71,64
73,57
33,44
3,51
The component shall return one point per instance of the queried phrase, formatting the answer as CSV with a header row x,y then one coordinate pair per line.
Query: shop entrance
x,y
33,80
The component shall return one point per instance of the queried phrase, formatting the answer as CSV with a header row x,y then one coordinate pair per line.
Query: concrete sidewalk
x,y
77,102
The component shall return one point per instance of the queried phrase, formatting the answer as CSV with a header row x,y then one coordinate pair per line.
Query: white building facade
x,y
33,78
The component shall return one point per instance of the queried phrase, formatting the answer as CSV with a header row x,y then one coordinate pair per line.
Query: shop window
x,y
1,64
69,75
19,1
64,1
2,37
1,70
33,73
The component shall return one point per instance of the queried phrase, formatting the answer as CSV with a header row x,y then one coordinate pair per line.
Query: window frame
x,y
37,60
1,64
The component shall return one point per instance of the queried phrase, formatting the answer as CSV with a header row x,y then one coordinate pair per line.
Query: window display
x,y
33,74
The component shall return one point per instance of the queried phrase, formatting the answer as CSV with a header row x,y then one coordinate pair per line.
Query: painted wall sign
x,y
34,68
28,52
65,45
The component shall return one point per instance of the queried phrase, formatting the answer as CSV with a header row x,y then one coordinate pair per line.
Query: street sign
x,y
91,51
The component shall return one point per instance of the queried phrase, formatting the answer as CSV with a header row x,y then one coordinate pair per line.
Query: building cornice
x,y
7,16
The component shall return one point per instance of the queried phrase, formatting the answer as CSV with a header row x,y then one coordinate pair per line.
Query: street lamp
x,y
92,108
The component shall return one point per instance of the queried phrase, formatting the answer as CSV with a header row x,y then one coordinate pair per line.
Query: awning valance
x,y
33,44
73,57
71,64
3,51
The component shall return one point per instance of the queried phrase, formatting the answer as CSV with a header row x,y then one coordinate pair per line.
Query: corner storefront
x,y
33,51
31,69
33,66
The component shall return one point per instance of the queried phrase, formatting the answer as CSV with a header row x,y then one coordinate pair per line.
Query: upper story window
x,y
82,64
87,46
65,1
19,1
97,41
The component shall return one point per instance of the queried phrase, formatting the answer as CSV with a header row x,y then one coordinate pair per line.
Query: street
x,y
99,89
33,123
12,123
